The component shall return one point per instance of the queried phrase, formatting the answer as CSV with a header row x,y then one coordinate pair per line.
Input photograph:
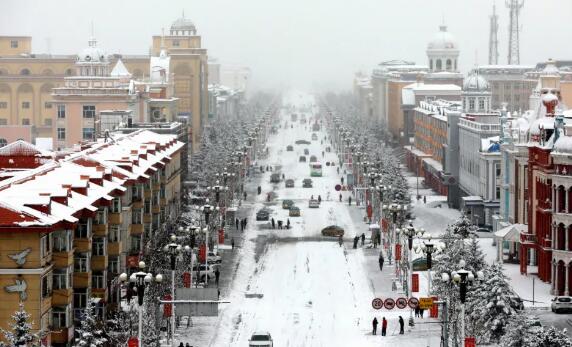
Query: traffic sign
x,y
377,303
413,302
338,187
389,303
425,303
401,302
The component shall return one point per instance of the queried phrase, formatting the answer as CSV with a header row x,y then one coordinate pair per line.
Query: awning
x,y
511,232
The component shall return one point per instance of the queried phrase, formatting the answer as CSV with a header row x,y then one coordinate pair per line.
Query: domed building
x,y
476,94
183,26
443,51
92,61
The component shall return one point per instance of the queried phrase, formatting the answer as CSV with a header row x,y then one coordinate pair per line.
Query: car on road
x,y
314,137
286,204
313,159
204,272
294,211
333,230
420,264
306,151
289,183
262,215
302,159
289,148
260,339
561,304
302,142
483,230
313,203
214,258
275,178
307,183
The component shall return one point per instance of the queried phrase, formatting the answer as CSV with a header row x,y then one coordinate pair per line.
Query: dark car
x,y
306,151
420,264
302,159
333,230
262,215
275,178
294,211
286,204
307,183
289,148
289,183
313,159
302,142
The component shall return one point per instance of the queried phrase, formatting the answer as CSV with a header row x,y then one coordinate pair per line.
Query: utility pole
x,y
493,38
514,7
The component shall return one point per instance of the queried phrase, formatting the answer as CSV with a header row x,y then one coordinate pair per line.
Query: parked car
x,y
484,230
306,151
307,183
204,272
313,159
259,339
294,211
275,178
313,203
286,204
289,148
314,137
333,230
561,303
289,183
214,258
262,215
302,159
302,142
420,264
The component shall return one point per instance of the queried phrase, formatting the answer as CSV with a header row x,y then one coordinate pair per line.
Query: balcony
x,y
99,230
147,194
99,262
47,302
62,297
62,335
137,204
163,202
136,229
82,279
156,185
147,218
82,245
115,218
114,248
156,209
99,293
528,238
63,259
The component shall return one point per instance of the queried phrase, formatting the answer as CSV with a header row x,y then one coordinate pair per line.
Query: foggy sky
x,y
295,43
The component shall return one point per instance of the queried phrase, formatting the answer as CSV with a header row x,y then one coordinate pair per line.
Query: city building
x,y
224,102
443,55
362,94
73,221
509,85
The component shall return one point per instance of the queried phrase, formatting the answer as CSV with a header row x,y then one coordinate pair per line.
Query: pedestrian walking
x,y
362,239
181,345
280,224
338,170
319,199
356,240
383,326
381,260
217,275
374,323
421,310
342,180
424,199
236,221
242,225
232,243
245,222
417,311
288,223
401,324
350,200
340,240
259,190
244,194
273,223
340,197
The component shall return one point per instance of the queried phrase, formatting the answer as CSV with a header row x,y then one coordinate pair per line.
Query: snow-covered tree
x,y
90,334
490,306
463,227
526,331
120,326
150,333
475,258
21,330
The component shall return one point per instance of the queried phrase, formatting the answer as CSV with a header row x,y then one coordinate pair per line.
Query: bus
x,y
315,169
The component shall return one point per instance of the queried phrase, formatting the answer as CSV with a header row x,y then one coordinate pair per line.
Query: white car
x,y
561,303
214,258
206,272
313,203
260,339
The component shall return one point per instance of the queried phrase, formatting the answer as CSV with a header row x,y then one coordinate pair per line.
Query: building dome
x,y
92,54
476,83
183,26
443,40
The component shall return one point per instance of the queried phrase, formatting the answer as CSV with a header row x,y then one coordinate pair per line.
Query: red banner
x,y
369,211
397,251
434,311
167,308
415,284
187,279
133,342
202,253
470,341
384,224
221,236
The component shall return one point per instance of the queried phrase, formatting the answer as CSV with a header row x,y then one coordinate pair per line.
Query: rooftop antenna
x,y
493,38
514,7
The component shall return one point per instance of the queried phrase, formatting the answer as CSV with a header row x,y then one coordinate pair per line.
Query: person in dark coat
x,y
342,181
356,240
381,261
421,310
383,326
374,323
273,223
259,190
340,197
236,221
319,199
280,224
417,311
362,239
188,345
424,199
217,276
232,243
401,324
287,223
181,345
350,200
245,222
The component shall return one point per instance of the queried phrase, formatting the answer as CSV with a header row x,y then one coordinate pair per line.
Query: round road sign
x,y
377,303
389,303
413,302
401,302
338,187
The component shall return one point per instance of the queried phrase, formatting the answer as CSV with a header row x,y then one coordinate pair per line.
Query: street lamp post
x,y
429,248
410,231
140,280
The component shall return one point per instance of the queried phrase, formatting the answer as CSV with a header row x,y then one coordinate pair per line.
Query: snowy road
x,y
315,293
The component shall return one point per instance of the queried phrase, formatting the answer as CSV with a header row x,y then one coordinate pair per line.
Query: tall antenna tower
x,y
514,7
493,38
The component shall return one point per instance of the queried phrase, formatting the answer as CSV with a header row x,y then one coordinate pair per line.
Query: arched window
x,y
431,64
449,65
25,72
3,142
69,72
439,65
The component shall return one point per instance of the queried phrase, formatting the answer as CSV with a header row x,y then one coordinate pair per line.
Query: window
x,y
88,111
98,280
80,298
449,65
25,72
61,133
438,65
61,279
60,316
147,206
98,247
69,72
25,121
3,121
25,104
498,170
13,44
3,104
83,230
115,206
114,265
497,193
61,111
101,216
481,103
137,216
114,233
81,262
135,243
47,285
176,43
88,133
62,240
136,191
47,104
45,245
471,104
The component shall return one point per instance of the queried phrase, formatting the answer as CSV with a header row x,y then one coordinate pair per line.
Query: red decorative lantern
x,y
434,311
133,342
221,236
202,253
187,279
398,251
167,308
415,283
